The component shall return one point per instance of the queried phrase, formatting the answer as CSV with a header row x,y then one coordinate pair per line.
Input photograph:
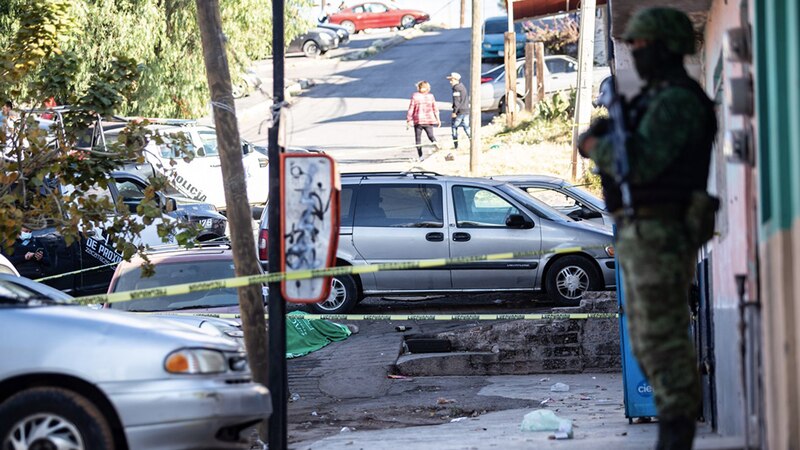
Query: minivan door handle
x,y
461,237
435,237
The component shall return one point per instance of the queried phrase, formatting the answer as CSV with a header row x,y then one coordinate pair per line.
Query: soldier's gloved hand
x,y
600,127
586,142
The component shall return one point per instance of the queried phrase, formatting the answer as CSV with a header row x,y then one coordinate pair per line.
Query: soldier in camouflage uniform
x,y
672,126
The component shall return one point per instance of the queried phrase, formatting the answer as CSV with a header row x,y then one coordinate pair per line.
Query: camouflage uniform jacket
x,y
672,125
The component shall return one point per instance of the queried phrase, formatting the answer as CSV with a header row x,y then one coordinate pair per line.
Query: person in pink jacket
x,y
423,115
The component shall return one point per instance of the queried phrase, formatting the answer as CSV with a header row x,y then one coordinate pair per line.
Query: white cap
x,y
454,76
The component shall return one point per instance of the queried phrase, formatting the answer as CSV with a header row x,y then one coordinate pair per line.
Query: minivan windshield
x,y
178,273
537,207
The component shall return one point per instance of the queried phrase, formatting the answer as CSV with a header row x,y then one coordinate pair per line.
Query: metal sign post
x,y
310,226
278,379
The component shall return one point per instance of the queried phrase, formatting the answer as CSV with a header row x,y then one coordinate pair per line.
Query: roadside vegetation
x,y
65,45
104,58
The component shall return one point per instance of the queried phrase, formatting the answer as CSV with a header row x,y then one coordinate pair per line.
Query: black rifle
x,y
619,132
619,138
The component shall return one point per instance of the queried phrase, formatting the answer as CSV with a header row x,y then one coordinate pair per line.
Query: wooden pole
x,y
511,78
540,70
463,13
529,57
475,87
583,106
251,302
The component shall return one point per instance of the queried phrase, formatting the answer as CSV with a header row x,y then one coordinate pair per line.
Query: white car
x,y
561,73
7,267
201,178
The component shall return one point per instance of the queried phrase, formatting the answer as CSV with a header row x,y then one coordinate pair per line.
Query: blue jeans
x,y
461,120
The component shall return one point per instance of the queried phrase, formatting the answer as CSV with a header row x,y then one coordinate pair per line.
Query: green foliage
x,y
559,39
560,106
58,48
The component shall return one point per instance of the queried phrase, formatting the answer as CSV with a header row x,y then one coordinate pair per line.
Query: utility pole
x,y
463,13
475,88
530,55
278,379
251,302
540,88
583,106
510,57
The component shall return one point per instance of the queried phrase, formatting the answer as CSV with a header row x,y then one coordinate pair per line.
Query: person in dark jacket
x,y
28,256
460,107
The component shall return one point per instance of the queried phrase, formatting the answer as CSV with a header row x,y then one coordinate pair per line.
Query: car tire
x,y
407,21
342,299
58,414
349,26
311,49
239,89
569,278
501,106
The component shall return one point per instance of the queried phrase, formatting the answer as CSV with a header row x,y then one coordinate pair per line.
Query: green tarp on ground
x,y
304,336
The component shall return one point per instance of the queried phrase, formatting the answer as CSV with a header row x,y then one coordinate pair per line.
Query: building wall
x,y
730,247
777,77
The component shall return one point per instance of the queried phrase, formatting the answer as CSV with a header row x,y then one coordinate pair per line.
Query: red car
x,y
376,15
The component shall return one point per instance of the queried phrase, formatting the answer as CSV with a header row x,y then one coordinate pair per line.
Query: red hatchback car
x,y
377,15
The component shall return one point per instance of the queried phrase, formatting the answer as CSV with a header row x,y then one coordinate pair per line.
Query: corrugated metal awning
x,y
526,9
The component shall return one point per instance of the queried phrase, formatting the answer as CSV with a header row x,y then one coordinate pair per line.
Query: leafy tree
x,y
160,36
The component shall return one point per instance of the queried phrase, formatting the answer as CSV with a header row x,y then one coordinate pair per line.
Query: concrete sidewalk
x,y
594,403
350,398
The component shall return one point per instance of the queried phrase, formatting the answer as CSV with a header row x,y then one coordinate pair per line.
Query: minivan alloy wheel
x,y
337,296
45,431
343,297
572,282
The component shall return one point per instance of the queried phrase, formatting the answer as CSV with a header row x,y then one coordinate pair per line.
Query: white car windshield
x,y
535,206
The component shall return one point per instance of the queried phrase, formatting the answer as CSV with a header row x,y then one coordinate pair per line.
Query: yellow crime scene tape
x,y
185,288
416,317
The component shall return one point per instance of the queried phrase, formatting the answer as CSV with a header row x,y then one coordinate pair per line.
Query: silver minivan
x,y
409,216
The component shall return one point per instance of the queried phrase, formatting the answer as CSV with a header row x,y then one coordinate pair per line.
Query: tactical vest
x,y
687,173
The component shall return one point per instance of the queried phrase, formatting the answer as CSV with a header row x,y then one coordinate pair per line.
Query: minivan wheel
x,y
569,278
52,418
342,299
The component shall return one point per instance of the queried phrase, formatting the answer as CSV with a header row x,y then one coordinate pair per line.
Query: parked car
x,y
377,15
7,267
201,178
86,265
177,266
314,43
131,187
561,74
341,32
85,379
395,217
493,37
562,195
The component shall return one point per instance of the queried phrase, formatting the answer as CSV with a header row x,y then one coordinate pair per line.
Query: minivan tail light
x,y
263,244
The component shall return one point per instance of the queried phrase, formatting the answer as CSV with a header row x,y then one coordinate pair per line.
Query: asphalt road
x,y
356,112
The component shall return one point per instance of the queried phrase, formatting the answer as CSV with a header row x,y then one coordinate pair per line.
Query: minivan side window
x,y
346,205
399,205
480,208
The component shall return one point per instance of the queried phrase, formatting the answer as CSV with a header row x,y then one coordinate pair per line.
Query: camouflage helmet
x,y
668,25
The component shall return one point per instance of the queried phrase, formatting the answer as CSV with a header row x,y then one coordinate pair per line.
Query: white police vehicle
x,y
201,178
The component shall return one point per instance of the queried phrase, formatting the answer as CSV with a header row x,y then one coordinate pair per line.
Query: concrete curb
x,y
383,44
